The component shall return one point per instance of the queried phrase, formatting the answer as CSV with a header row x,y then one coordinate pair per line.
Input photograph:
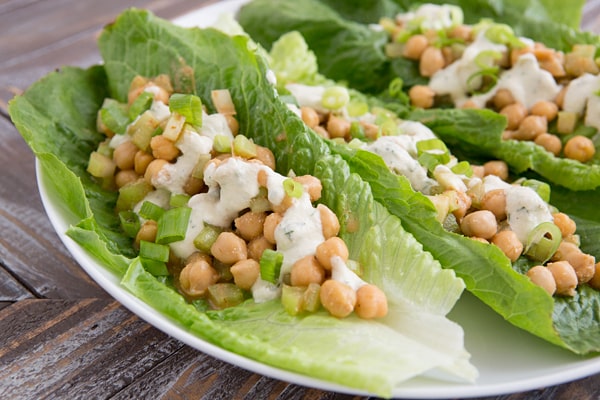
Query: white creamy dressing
x,y
580,97
215,124
433,16
308,96
263,291
118,139
341,273
160,110
448,179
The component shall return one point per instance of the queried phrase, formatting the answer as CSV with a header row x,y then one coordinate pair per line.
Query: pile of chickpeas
x,y
234,256
522,123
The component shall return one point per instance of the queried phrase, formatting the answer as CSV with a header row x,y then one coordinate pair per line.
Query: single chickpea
x,y
495,201
503,98
372,131
196,277
307,270
337,298
480,223
514,113
229,248
582,263
153,168
309,116
141,161
257,246
595,281
580,148
338,127
566,225
124,177
496,167
421,96
509,243
542,277
415,46
147,232
245,273
531,127
432,60
546,109
564,276
250,224
329,221
163,148
312,185
334,246
124,155
193,185
321,131
262,178
282,206
371,302
478,171
549,142
266,156
463,32
469,104
271,222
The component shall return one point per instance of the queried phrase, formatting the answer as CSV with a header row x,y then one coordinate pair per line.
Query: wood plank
x,y
11,289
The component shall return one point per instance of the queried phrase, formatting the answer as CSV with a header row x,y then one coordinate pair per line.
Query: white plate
x,y
509,360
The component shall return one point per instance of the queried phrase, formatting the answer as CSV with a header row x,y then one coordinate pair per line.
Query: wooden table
x,y
61,335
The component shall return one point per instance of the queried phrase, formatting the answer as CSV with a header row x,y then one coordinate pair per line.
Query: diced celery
x,y
270,265
130,223
224,295
244,147
292,298
174,126
260,203
178,200
566,122
224,270
310,298
142,129
207,236
222,101
198,171
105,149
222,144
131,194
113,115
100,166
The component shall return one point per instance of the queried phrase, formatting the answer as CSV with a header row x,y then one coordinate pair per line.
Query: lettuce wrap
x,y
57,118
354,52
487,272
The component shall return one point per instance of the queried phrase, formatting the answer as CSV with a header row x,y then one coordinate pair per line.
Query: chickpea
x,y
595,281
495,201
266,156
564,276
321,131
262,178
531,127
480,223
478,239
580,148
309,116
271,222
546,109
338,127
312,185
337,298
196,277
124,177
421,96
566,225
163,148
463,32
307,270
514,113
508,242
153,168
496,167
503,98
478,171
257,246
283,205
250,224
193,185
549,142
334,246
582,263
542,277
329,221
245,273
371,302
124,155
147,232
372,131
141,161
469,104
415,46
229,248
432,60
560,97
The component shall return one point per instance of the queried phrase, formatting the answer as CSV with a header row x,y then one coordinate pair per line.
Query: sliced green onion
x,y
188,105
487,59
224,295
463,168
207,236
541,188
335,97
130,223
154,267
222,144
172,226
140,104
432,152
270,265
131,194
357,108
244,147
152,211
543,241
293,188
154,251
114,116
503,34
431,145
178,200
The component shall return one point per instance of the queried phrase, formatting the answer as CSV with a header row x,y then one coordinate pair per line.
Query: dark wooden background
x,y
62,336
